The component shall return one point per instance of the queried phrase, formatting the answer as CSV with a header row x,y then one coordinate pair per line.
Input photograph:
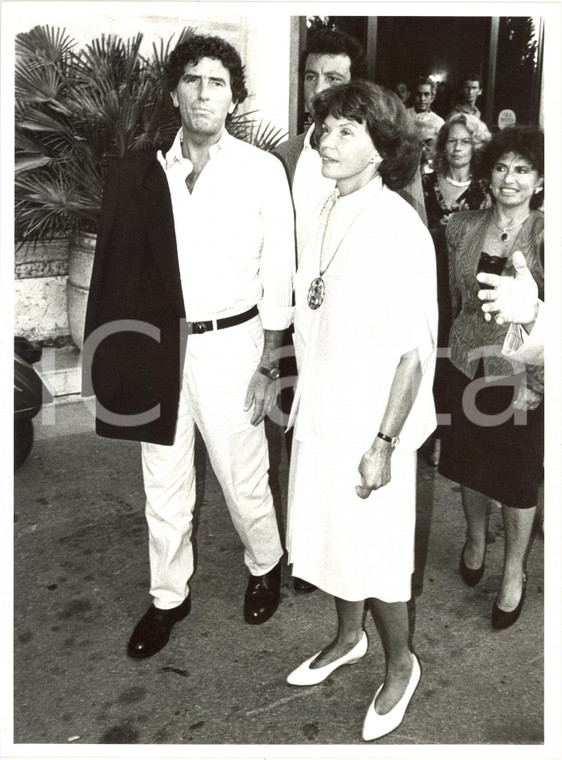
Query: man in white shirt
x,y
196,251
424,95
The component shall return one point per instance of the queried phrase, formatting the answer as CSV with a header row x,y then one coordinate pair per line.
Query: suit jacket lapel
x,y
157,210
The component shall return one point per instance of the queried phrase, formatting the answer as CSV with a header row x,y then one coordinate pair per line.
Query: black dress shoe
x,y
470,577
262,596
502,619
152,632
301,585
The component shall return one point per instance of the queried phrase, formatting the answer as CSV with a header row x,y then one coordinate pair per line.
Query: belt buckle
x,y
198,328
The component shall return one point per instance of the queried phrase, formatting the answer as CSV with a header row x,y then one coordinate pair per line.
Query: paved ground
x,y
81,576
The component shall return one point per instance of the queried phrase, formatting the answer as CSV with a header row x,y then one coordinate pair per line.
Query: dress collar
x,y
361,196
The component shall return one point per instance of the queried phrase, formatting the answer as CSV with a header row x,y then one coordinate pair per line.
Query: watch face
x,y
271,372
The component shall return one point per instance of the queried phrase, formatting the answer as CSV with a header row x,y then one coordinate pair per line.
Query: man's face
x,y
204,97
470,91
322,71
424,97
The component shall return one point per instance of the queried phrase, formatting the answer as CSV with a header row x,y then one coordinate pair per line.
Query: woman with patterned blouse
x,y
454,186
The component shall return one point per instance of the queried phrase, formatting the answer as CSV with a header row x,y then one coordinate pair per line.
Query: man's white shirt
x,y
310,189
234,232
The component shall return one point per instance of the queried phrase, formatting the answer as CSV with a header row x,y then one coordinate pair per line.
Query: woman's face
x,y
458,147
514,181
348,154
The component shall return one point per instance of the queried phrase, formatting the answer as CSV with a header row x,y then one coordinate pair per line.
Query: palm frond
x,y
44,44
262,134
267,136
78,108
37,82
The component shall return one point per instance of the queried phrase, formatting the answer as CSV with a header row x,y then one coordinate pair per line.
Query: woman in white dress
x,y
365,338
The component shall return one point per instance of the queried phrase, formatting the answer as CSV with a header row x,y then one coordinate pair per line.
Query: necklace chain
x,y
317,289
504,230
349,226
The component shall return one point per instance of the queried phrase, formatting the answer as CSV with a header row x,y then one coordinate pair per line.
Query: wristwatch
x,y
271,372
388,439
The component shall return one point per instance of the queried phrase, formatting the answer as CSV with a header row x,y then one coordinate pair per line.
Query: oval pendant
x,y
316,293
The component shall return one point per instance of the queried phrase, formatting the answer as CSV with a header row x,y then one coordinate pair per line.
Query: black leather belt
x,y
201,327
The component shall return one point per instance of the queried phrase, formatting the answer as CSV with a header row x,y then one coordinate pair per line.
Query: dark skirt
x,y
502,460
441,382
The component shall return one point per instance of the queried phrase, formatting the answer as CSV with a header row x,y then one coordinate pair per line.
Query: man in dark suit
x,y
191,292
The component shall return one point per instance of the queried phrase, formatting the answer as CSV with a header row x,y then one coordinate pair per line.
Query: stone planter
x,y
80,262
40,275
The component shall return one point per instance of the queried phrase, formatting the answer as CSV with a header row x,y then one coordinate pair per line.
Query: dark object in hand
x,y
490,264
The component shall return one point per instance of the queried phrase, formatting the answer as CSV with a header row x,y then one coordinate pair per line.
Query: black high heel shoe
x,y
502,619
470,576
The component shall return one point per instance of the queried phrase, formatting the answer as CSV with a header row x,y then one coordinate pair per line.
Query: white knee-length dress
x,y
380,302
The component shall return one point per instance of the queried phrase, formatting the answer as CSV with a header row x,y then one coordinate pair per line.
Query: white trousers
x,y
218,368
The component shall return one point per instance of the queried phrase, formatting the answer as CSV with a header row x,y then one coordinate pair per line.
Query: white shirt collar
x,y
175,156
307,139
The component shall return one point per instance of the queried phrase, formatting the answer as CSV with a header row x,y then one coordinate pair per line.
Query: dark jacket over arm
x,y
133,341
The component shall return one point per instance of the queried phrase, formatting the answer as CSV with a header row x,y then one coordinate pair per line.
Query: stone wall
x,y
41,272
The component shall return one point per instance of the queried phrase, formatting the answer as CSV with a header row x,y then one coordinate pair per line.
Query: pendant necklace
x,y
504,230
317,289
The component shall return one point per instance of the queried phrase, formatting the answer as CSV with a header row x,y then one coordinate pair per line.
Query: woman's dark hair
x,y
479,134
200,46
386,121
527,142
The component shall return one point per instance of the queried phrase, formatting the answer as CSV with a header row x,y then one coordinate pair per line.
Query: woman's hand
x,y
374,468
527,399
444,220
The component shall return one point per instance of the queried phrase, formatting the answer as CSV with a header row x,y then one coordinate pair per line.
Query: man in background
x,y
471,89
424,95
330,58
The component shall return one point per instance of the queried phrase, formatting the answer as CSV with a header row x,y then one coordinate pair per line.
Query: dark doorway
x,y
445,48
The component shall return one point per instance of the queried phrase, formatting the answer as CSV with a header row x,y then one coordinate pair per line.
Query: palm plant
x,y
262,134
76,110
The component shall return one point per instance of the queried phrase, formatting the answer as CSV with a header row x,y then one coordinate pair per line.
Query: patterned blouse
x,y
474,197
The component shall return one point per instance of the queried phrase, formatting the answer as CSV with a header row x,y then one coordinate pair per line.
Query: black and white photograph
x,y
337,533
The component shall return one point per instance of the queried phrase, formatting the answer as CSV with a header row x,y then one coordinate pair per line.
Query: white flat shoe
x,y
304,675
376,725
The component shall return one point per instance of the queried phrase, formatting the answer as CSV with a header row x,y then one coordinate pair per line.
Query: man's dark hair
x,y
200,46
386,122
427,80
471,77
332,42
